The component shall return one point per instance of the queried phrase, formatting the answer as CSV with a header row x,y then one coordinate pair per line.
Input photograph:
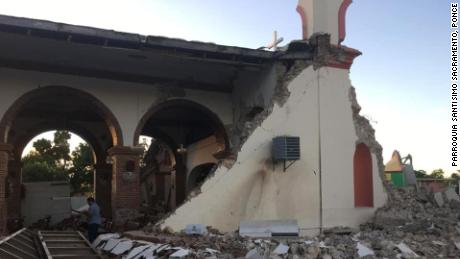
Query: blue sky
x,y
402,78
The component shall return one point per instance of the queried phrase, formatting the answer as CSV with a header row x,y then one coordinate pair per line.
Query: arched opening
x,y
57,174
68,109
184,135
198,175
363,183
158,177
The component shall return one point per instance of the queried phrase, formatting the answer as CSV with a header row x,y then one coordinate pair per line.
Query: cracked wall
x,y
253,188
366,134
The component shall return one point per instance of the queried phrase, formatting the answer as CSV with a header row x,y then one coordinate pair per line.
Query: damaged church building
x,y
237,134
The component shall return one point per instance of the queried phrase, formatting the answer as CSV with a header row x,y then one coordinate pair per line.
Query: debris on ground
x,y
413,224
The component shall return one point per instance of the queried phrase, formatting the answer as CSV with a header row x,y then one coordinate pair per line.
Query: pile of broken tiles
x,y
413,224
116,246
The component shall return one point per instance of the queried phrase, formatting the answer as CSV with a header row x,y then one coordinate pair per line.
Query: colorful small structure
x,y
399,171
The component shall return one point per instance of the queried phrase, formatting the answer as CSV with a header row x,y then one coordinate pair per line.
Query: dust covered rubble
x,y
411,225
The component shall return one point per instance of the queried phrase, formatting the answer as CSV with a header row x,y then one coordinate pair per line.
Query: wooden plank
x,y
25,238
12,236
57,232
66,245
18,243
84,238
7,255
60,235
70,256
71,250
47,252
23,242
17,250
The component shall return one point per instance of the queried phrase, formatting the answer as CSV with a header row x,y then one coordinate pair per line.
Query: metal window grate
x,y
285,148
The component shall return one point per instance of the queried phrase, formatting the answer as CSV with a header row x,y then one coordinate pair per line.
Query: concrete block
x,y
180,253
269,228
451,194
254,254
122,247
438,197
111,244
137,251
195,229
406,250
364,250
281,249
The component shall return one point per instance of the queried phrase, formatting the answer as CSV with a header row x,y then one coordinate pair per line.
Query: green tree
x,y
52,161
43,146
61,147
82,171
420,174
437,174
455,176
40,164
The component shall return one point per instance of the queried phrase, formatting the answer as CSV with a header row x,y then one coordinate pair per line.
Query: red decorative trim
x,y
344,58
342,12
362,177
303,17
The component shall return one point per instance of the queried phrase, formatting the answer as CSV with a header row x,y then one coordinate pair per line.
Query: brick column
x,y
5,151
14,182
103,188
126,195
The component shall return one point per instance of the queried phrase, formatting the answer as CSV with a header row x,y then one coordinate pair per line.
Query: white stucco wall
x,y
339,140
127,101
44,199
322,16
251,189
202,152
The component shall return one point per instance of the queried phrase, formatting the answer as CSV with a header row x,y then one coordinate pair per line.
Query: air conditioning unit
x,y
286,148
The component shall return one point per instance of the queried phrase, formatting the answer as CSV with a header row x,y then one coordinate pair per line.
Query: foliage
x,y
82,170
455,176
52,161
437,174
61,147
41,164
420,174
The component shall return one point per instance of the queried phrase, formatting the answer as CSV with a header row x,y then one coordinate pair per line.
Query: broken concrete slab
x,y
148,253
254,254
122,247
439,243
180,253
212,251
451,194
111,244
406,250
162,248
457,245
136,251
281,249
196,229
438,197
364,250
268,228
104,237
433,233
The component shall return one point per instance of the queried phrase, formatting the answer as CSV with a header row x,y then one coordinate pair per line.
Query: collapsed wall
x,y
302,99
366,135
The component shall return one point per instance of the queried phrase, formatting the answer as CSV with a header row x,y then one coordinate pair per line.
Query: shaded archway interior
x,y
61,108
189,133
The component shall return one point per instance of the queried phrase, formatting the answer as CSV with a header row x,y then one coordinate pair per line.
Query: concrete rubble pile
x,y
413,224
